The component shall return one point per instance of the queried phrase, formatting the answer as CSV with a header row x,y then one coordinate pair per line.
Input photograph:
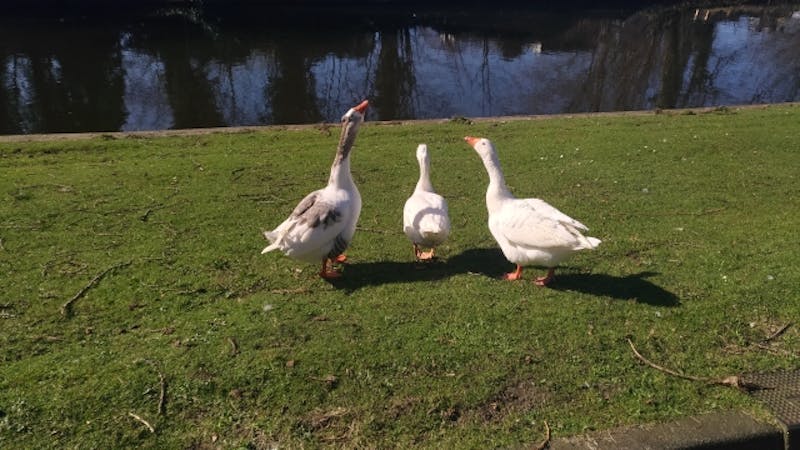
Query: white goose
x,y
322,225
529,230
425,218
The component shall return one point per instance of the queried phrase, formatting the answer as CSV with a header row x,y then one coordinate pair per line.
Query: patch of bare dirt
x,y
330,426
520,397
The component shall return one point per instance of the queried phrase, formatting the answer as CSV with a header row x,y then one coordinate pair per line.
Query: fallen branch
x,y
162,382
780,331
66,307
146,423
733,381
546,442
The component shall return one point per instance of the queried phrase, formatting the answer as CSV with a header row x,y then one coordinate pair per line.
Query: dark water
x,y
181,68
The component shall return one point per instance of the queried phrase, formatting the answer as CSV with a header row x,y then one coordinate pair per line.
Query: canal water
x,y
190,67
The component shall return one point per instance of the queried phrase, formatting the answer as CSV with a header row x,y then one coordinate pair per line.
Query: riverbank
x,y
38,137
176,322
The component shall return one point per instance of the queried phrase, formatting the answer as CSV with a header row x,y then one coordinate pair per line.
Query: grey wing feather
x,y
305,203
316,213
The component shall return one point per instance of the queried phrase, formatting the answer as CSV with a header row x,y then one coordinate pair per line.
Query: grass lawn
x,y
158,240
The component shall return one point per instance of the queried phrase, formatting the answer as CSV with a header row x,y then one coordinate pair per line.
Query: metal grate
x,y
783,399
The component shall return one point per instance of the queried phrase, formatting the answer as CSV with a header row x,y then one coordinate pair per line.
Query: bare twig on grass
x,y
234,346
774,335
546,442
162,382
373,230
765,344
66,307
269,198
303,290
162,396
705,212
2,247
146,423
773,350
733,381
664,369
321,419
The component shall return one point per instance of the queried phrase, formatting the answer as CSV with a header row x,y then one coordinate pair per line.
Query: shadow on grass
x,y
632,287
483,261
490,262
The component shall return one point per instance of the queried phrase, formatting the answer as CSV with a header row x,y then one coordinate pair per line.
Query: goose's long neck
x,y
497,192
497,182
424,183
340,170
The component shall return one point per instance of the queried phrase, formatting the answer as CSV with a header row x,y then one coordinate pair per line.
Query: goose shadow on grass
x,y
631,287
490,262
483,261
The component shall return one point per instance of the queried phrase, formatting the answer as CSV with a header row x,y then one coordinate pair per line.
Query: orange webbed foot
x,y
543,281
515,275
328,272
426,256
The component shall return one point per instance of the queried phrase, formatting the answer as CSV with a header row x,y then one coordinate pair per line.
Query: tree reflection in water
x,y
179,69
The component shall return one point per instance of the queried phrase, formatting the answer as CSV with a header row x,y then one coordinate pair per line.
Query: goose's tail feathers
x,y
593,241
274,239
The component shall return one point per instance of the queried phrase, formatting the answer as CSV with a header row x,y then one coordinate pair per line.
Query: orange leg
x,y
423,256
542,281
515,275
328,272
427,256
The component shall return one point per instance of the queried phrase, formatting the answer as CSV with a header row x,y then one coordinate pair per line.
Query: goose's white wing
x,y
426,218
549,210
532,223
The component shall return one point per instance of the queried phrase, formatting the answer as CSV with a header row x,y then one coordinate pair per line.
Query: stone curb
x,y
727,430
260,128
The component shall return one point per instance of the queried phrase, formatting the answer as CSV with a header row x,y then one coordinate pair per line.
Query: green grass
x,y
698,214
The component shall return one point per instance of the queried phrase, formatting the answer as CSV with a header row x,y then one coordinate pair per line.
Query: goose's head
x,y
483,146
355,115
351,121
422,153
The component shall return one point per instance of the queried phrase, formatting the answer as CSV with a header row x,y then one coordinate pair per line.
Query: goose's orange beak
x,y
471,140
362,106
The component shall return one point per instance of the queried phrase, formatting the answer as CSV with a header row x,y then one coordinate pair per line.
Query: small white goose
x,y
529,230
322,225
425,218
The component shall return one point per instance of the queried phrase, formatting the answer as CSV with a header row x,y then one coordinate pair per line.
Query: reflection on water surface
x,y
188,68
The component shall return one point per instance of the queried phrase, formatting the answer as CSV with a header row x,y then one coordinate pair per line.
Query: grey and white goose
x,y
322,225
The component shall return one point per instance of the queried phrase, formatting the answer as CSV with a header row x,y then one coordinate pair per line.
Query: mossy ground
x,y
698,214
